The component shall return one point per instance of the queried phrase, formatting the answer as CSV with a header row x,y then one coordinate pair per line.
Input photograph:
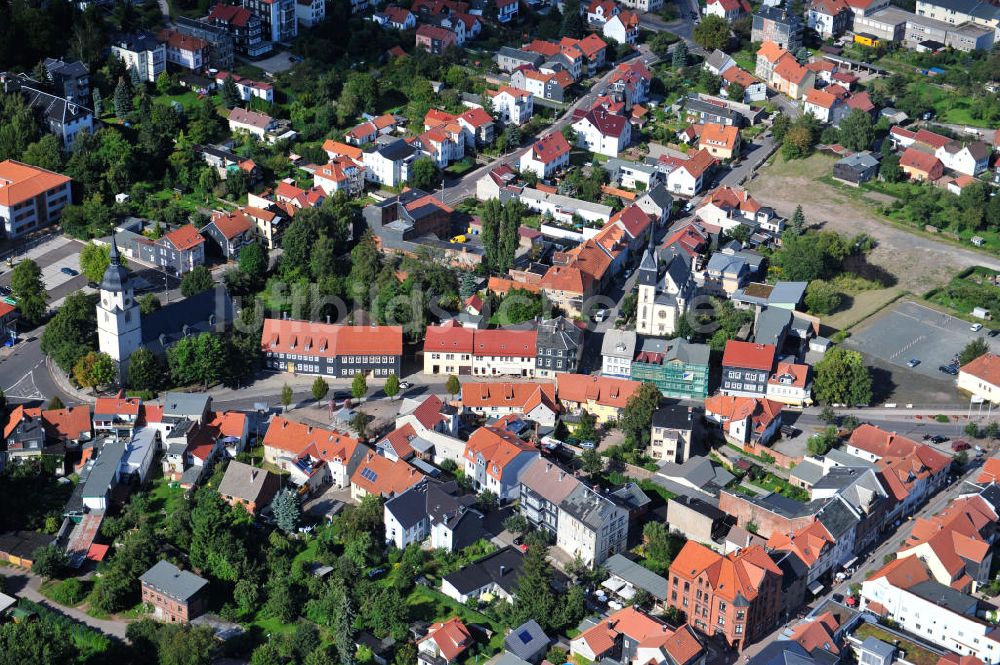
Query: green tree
x,y
534,598
712,33
857,131
144,370
72,331
391,387
424,174
253,261
27,286
797,225
842,378
586,429
286,395
197,280
516,523
49,561
973,350
798,142
123,98
820,444
95,369
780,126
591,462
186,645
638,416
230,93
164,84
95,259
453,386
366,264
45,153
679,59
285,507
320,388
149,303
889,170
35,641
661,547
359,387
822,297
573,24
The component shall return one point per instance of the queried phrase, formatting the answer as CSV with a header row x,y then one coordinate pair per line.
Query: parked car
x,y
912,362
5,291
949,369
405,385
937,438
376,572
587,445
73,273
993,333
959,446
976,327
600,315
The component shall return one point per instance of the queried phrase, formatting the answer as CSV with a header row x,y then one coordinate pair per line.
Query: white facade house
x,y
494,460
546,156
662,300
143,53
602,132
622,28
248,89
511,105
310,12
970,159
930,610
617,353
389,164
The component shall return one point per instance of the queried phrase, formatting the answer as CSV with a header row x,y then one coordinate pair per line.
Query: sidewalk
x,y
65,385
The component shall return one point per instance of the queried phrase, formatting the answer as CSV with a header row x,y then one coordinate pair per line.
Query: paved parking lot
x,y
910,330
51,257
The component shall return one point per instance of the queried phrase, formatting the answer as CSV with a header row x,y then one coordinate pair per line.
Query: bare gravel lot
x,y
918,262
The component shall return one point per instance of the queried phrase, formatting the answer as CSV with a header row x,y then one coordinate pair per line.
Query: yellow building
x,y
868,40
602,397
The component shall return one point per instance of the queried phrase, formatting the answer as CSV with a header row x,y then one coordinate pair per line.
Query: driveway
x,y
23,584
275,64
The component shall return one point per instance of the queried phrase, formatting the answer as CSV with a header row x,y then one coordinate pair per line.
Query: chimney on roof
x,y
503,569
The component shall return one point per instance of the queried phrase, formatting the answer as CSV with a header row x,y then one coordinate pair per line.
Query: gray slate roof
x,y
528,640
772,325
677,349
104,469
171,581
185,404
636,575
619,344
243,481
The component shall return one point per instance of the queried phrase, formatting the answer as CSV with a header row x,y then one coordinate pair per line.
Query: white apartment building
x,y
143,53
30,198
310,12
511,105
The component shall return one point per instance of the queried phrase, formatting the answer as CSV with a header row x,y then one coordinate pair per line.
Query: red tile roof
x,y
21,182
928,137
499,342
985,368
603,390
497,446
920,161
299,439
448,338
232,224
749,355
549,148
771,51
451,637
327,341
737,574
513,395
607,124
761,412
477,117
429,413
990,473
382,477
337,148
647,632
118,405
184,238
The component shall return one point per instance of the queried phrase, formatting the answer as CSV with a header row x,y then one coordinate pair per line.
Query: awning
x,y
850,564
613,584
815,588
627,592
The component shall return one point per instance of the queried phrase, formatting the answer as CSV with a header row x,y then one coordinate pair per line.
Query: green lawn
x,y
166,500
189,99
461,167
914,653
745,59
432,605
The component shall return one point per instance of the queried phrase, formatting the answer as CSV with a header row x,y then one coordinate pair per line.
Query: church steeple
x,y
115,276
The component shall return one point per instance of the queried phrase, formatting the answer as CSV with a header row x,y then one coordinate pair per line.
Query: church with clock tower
x,y
119,324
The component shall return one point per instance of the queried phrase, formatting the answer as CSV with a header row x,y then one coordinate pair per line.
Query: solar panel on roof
x,y
524,636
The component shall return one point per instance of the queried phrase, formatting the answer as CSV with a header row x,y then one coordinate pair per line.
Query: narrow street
x,y
23,584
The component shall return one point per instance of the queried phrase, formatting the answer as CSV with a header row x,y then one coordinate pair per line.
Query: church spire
x,y
114,255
